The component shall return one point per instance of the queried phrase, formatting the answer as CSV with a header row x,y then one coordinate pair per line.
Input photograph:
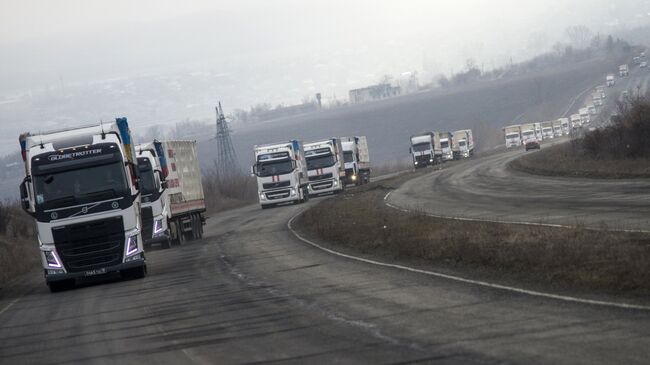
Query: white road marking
x,y
9,305
464,280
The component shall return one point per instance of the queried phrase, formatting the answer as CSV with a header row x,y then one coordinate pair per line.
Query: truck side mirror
x,y
254,170
24,196
410,150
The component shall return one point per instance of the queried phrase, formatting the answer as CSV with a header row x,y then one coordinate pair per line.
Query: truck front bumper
x,y
324,186
57,275
270,197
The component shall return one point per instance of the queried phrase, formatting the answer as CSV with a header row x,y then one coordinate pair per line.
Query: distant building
x,y
374,92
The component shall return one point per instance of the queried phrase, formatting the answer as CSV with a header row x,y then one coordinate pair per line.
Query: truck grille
x,y
147,222
423,158
320,177
275,185
321,185
90,245
279,194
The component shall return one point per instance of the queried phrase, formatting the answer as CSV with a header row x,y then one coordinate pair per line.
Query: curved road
x,y
250,292
485,189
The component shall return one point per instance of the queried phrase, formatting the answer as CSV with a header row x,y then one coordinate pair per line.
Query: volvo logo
x,y
54,215
115,205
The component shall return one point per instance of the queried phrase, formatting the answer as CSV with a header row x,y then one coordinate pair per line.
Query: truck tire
x,y
195,227
59,286
134,273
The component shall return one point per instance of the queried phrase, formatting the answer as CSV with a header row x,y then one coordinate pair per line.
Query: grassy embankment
x,y
18,248
622,150
575,258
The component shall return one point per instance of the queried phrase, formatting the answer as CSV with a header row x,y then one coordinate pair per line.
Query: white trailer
x,y
172,192
564,127
547,130
81,188
325,166
281,171
422,151
512,135
357,160
462,144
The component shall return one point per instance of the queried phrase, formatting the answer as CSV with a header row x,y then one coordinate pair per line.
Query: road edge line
x,y
464,280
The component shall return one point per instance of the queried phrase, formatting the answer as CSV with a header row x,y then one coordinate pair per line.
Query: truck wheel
x,y
195,227
58,286
134,273
180,238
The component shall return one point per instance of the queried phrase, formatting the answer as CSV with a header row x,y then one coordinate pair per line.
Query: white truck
x,y
325,166
528,133
576,121
547,130
281,171
592,109
172,192
444,140
357,160
597,98
610,80
512,135
623,70
421,150
462,144
81,188
584,115
565,127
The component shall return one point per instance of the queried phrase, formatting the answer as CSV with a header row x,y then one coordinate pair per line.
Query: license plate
x,y
96,272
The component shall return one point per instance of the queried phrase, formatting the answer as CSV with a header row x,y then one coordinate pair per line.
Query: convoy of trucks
x,y
81,187
325,166
172,192
281,171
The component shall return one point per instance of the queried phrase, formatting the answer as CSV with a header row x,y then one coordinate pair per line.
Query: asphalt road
x,y
250,292
484,188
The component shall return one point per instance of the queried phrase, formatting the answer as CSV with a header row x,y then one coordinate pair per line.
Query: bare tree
x,y
579,35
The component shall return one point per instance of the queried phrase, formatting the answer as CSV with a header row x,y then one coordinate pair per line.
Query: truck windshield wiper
x,y
107,192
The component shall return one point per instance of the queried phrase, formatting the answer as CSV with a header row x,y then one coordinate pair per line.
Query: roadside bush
x,y
228,192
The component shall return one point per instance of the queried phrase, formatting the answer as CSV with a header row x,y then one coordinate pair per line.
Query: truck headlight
x,y
354,177
52,259
293,191
430,160
157,227
132,245
415,163
262,196
335,183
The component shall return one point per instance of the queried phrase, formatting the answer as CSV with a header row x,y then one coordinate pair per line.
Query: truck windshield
x,y
421,147
318,162
512,135
529,133
348,156
80,186
444,144
462,143
270,168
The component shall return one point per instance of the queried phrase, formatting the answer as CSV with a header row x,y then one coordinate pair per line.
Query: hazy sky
x,y
44,41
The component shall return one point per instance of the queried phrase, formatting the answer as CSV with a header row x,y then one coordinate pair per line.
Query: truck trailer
x,y
81,187
173,204
422,151
325,166
281,171
357,160
462,144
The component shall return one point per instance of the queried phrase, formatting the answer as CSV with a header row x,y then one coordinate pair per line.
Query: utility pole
x,y
226,163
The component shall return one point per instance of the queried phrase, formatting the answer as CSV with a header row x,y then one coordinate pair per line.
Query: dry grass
x,y
563,160
228,192
577,258
18,249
